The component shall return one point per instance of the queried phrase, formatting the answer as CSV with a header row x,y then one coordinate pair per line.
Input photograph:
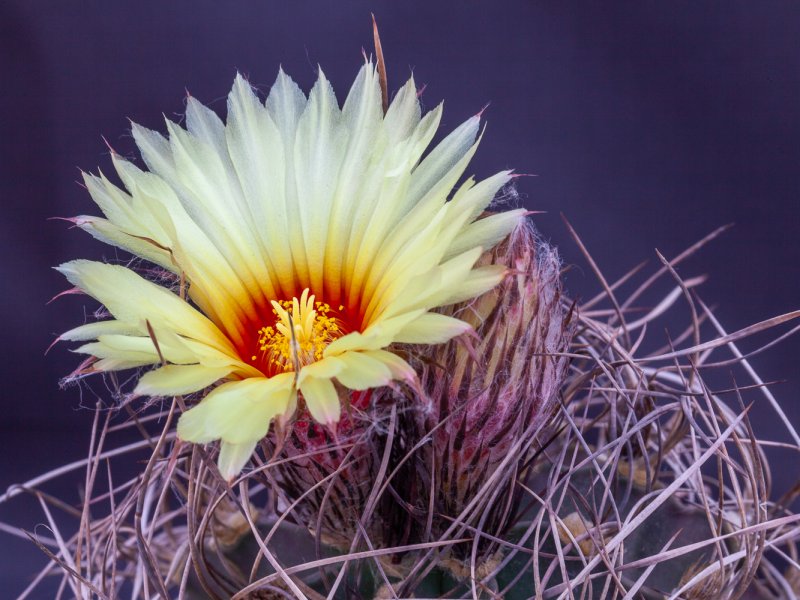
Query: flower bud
x,y
495,393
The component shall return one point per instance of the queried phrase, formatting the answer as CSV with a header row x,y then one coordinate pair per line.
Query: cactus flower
x,y
307,240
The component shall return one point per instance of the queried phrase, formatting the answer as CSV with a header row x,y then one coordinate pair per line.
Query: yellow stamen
x,y
303,329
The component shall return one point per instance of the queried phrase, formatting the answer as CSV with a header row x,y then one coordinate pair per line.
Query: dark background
x,y
647,125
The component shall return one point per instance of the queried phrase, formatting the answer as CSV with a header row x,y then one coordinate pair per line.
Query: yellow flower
x,y
310,237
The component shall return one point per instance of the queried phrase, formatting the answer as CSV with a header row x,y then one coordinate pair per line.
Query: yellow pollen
x,y
303,329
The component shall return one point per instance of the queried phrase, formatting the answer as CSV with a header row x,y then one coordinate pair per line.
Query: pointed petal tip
x,y
144,136
108,145
193,103
55,341
233,458
240,79
282,77
142,390
68,292
85,368
71,267
479,114
283,84
76,221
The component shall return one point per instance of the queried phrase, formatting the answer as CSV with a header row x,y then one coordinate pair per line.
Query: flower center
x,y
302,330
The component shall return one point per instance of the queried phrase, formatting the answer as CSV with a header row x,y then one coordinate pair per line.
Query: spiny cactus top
x,y
304,240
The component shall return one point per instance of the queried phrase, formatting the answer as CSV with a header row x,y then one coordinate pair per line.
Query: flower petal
x,y
152,223
486,232
321,399
322,369
403,114
447,154
91,331
432,328
398,367
362,371
175,380
133,300
375,337
363,116
254,140
233,458
476,282
285,104
115,359
238,411
318,151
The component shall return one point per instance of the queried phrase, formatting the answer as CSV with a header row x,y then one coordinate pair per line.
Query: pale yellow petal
x,y
115,359
233,458
421,291
285,103
204,124
134,300
362,372
447,154
376,336
354,341
138,244
291,408
392,199
322,369
177,353
209,185
254,139
175,380
469,205
486,232
91,331
403,114
477,282
432,328
119,364
155,150
318,155
321,399
214,284
362,115
238,411
398,367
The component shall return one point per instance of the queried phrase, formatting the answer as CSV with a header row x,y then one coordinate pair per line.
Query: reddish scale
x,y
312,436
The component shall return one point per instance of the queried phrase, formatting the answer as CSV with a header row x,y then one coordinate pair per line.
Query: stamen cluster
x,y
303,329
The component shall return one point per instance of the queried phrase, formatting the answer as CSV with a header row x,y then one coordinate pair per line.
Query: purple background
x,y
647,125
